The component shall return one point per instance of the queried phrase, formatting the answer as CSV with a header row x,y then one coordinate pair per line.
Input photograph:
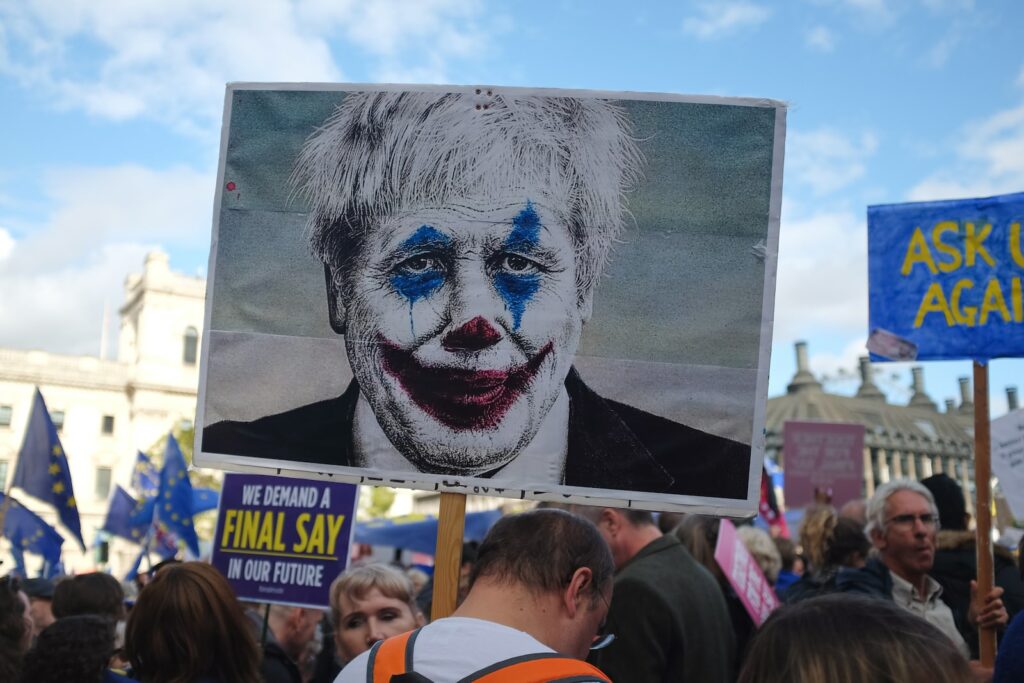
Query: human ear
x,y
335,307
586,304
578,589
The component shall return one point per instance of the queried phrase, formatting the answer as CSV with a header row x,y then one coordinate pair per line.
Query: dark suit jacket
x,y
611,445
670,621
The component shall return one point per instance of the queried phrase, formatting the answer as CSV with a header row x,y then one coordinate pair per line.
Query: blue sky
x,y
111,110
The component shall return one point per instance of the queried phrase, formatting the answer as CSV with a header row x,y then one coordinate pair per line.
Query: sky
x,y
110,116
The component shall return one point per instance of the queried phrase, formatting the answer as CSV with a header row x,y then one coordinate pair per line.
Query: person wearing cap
x,y
40,597
956,563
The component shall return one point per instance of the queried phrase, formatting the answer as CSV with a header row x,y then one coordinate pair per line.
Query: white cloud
x,y
169,61
718,19
822,282
6,244
103,221
820,38
988,160
827,160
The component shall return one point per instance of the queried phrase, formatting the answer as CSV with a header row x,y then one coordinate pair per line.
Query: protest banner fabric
x,y
499,291
283,540
944,279
824,458
743,574
1008,458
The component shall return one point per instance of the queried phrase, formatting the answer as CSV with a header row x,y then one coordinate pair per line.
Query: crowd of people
x,y
882,591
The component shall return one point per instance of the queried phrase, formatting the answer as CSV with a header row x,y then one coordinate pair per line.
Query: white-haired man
x,y
462,236
902,523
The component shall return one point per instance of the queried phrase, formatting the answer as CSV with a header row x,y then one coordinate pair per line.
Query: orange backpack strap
x,y
390,657
540,667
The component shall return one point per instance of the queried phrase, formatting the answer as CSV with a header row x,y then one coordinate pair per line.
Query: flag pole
x,y
983,505
9,484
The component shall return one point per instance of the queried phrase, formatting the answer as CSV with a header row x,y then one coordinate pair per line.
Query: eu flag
x,y
174,500
204,499
145,476
28,532
42,469
126,518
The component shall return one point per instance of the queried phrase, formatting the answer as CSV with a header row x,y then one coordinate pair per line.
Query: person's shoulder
x,y
313,432
682,459
872,579
354,671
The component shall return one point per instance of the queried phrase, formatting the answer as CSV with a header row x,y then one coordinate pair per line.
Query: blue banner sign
x,y
944,279
283,540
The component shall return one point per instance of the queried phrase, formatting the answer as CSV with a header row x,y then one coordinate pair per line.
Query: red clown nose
x,y
475,335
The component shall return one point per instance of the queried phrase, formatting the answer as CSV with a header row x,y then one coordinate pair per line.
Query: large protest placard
x,y
526,293
823,461
945,279
743,574
1008,458
283,540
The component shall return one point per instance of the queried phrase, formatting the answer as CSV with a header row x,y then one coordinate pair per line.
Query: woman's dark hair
x,y
844,638
12,628
95,593
74,649
186,625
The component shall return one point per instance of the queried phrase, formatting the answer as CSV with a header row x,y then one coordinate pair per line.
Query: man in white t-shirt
x,y
541,586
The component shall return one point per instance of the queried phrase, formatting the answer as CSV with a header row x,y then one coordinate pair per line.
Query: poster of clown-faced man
x,y
545,294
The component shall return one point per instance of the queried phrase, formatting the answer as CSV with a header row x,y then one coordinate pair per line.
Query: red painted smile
x,y
461,399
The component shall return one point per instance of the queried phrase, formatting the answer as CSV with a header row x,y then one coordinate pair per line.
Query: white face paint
x,y
461,325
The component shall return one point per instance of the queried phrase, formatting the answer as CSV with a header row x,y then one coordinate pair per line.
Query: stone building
x,y
106,410
914,440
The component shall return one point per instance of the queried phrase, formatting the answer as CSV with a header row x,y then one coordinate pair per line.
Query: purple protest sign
x,y
822,458
283,540
743,574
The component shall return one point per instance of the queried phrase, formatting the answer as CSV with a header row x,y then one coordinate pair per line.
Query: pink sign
x,y
754,591
823,461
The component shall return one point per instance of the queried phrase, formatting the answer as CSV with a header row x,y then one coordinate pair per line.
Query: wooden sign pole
x,y
451,524
983,505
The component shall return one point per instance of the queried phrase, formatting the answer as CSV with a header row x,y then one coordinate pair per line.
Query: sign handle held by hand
x,y
983,505
451,523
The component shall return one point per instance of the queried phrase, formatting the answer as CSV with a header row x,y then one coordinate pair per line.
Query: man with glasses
x,y
902,525
538,595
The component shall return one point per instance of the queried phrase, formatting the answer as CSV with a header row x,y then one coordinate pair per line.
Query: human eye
x,y
903,519
353,622
388,615
419,264
516,264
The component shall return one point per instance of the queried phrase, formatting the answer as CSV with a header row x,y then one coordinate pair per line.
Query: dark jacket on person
x,y
811,584
669,619
956,565
1010,658
277,666
611,445
872,579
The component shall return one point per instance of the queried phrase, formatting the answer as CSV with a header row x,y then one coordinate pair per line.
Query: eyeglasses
x,y
907,521
603,640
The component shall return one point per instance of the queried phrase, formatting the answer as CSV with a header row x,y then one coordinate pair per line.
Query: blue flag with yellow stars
x,y
145,476
126,517
204,499
174,501
43,471
28,532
